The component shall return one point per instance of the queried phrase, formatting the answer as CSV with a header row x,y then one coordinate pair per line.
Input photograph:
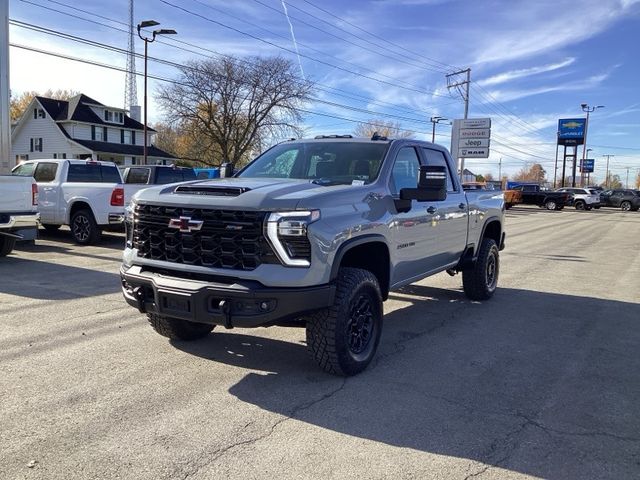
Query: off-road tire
x,y
580,205
84,228
480,281
51,227
177,329
335,334
550,204
626,206
6,245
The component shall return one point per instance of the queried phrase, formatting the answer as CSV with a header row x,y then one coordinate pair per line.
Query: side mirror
x,y
226,170
432,185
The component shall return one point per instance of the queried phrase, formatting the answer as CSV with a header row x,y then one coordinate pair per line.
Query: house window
x,y
38,113
133,137
105,134
97,133
35,144
126,137
60,155
113,117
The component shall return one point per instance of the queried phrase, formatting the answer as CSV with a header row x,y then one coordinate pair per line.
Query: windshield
x,y
324,163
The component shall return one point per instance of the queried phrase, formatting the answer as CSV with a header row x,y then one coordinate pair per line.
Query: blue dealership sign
x,y
586,165
571,131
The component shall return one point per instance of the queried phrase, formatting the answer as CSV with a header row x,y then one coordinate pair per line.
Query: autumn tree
x,y
234,107
533,174
384,128
184,143
17,105
612,181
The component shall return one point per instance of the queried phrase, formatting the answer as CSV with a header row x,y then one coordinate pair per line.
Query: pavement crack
x,y
217,454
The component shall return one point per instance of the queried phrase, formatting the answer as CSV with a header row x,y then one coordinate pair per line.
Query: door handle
x,y
431,210
462,206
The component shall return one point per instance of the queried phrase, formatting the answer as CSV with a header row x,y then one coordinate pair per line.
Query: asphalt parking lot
x,y
543,381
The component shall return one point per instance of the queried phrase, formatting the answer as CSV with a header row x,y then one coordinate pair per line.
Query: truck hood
x,y
238,193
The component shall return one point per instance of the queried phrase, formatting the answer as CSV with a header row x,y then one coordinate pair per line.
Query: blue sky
x,y
531,62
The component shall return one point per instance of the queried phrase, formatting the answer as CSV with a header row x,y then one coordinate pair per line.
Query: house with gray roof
x,y
82,128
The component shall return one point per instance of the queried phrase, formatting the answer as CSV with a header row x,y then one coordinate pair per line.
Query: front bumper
x,y
21,226
239,303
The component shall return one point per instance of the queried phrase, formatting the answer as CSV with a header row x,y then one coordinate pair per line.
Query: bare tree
x,y
235,106
534,174
384,128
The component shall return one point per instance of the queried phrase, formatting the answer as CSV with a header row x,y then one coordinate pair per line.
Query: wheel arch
x,y
369,252
76,205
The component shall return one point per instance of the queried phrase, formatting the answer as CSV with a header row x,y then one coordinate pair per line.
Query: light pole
x,y
588,109
435,120
147,41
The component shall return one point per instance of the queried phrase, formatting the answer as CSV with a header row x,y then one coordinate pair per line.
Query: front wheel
x,y
84,228
177,329
626,206
580,205
480,281
6,245
344,337
550,205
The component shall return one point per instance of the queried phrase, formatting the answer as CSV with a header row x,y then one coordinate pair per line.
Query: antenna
x,y
130,89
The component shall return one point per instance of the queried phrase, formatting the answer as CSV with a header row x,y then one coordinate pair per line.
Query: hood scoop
x,y
209,190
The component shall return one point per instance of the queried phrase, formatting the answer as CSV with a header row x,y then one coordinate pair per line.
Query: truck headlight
x,y
287,233
128,224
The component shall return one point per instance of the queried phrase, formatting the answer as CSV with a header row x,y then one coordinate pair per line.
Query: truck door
x,y
48,191
409,230
449,218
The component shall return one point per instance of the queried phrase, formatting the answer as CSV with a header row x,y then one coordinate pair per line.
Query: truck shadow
x,y
527,381
110,239
45,280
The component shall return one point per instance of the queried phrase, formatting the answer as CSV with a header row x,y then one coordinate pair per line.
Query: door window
x,y
25,170
138,175
406,170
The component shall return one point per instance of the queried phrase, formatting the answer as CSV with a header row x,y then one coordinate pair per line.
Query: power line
x,y
172,41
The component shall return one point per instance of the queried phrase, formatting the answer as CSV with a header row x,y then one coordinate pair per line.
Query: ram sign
x,y
571,131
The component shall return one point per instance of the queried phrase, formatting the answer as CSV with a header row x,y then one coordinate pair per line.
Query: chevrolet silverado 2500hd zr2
x,y
313,233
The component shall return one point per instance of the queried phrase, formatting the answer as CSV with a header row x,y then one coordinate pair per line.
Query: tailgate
x,y
15,194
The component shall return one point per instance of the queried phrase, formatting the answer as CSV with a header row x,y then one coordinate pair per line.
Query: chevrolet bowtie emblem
x,y
185,224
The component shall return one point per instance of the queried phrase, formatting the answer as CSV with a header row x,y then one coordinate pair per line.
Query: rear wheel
x,y
177,329
480,281
626,206
550,205
84,229
6,245
344,338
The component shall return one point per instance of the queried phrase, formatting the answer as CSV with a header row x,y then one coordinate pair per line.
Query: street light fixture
x,y
588,109
148,40
435,120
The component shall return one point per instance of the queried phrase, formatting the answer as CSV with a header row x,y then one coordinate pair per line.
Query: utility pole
x,y
555,169
500,169
465,96
627,182
588,109
606,178
5,117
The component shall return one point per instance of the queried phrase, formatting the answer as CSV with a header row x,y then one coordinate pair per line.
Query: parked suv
x,y
313,233
583,198
138,177
625,199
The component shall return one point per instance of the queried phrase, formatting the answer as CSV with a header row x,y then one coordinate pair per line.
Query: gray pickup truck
x,y
312,233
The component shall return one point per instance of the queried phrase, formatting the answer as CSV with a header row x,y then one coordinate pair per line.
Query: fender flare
x,y
350,244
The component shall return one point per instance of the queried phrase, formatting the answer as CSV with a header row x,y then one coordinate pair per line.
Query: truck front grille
x,y
229,239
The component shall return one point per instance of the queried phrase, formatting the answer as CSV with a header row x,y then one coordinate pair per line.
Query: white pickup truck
x,y
84,194
18,211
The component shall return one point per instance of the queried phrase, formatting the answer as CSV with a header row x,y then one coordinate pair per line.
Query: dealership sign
x,y
586,165
470,138
571,131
